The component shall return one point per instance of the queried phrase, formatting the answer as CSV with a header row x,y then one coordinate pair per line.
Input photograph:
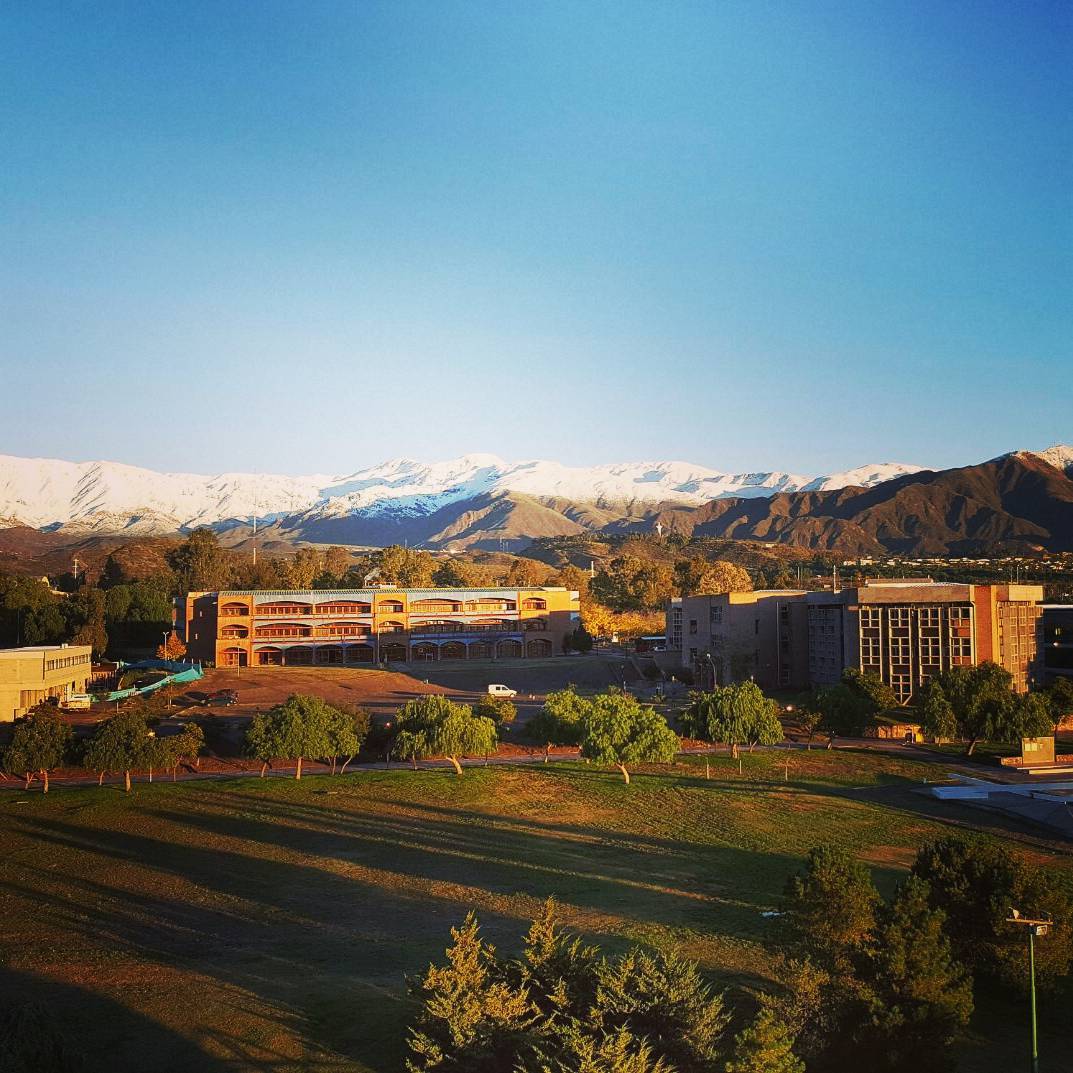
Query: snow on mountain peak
x,y
110,495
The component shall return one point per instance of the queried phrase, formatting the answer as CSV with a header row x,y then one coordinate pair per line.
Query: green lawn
x,y
268,924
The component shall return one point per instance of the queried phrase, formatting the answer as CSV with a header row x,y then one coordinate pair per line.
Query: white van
x,y
498,690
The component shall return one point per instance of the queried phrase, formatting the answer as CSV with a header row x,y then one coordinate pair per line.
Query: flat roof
x,y
442,590
29,650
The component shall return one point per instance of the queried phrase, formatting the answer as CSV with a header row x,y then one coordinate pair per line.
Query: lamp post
x,y
1035,927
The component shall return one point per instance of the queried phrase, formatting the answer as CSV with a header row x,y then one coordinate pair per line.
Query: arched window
x,y
233,657
359,654
509,649
491,603
343,629
538,648
535,623
284,629
426,652
389,607
392,653
535,603
270,657
234,631
230,610
453,650
391,626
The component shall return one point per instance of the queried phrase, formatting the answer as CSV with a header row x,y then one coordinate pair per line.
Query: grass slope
x,y
268,925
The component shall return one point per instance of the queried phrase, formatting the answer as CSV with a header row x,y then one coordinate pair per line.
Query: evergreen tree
x,y
920,997
472,1019
766,1045
830,908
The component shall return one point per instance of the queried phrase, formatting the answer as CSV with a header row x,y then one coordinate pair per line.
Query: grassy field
x,y
268,925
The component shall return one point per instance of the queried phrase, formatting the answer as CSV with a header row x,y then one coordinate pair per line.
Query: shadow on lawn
x,y
313,906
104,1033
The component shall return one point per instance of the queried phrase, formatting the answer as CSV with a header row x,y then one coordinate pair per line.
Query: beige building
x,y
29,676
321,627
735,636
905,631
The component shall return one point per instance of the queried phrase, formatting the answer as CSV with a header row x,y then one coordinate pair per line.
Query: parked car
x,y
224,697
496,689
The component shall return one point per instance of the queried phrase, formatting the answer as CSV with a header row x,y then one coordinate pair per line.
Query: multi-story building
x,y
1055,644
362,626
734,636
906,631
31,675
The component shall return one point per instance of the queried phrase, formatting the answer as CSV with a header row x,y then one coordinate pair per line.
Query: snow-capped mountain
x,y
112,497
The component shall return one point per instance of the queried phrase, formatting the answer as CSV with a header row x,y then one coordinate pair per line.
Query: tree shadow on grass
x,y
106,1034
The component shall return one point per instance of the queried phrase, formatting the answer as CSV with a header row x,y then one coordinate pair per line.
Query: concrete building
x,y
904,631
1055,644
735,636
363,626
31,675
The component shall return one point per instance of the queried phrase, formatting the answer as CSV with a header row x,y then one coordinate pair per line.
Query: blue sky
x,y
312,236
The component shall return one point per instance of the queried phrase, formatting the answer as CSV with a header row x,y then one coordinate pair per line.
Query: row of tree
x,y
131,740
865,983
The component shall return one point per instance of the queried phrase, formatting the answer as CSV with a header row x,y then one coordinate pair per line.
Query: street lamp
x,y
1035,927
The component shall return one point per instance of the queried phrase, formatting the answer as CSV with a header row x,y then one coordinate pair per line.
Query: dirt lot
x,y
381,692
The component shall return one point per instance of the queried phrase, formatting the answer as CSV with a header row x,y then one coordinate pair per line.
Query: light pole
x,y
1035,927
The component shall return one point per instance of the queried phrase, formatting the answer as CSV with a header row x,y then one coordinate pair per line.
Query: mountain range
x,y
1018,502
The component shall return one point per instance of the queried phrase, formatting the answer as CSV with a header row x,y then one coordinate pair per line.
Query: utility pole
x,y
1035,927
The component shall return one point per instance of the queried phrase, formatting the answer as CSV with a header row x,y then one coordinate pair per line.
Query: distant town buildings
x,y
903,630
366,626
34,674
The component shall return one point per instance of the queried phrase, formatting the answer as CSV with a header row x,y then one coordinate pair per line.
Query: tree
x,y
304,566
524,574
919,997
631,584
346,729
471,1019
1060,697
573,578
168,751
336,561
435,726
88,607
734,715
661,998
499,709
980,697
830,908
617,730
580,640
937,717
559,722
452,574
975,884
845,711
406,567
121,743
295,730
696,577
172,648
765,1045
871,687
810,716
200,564
39,745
